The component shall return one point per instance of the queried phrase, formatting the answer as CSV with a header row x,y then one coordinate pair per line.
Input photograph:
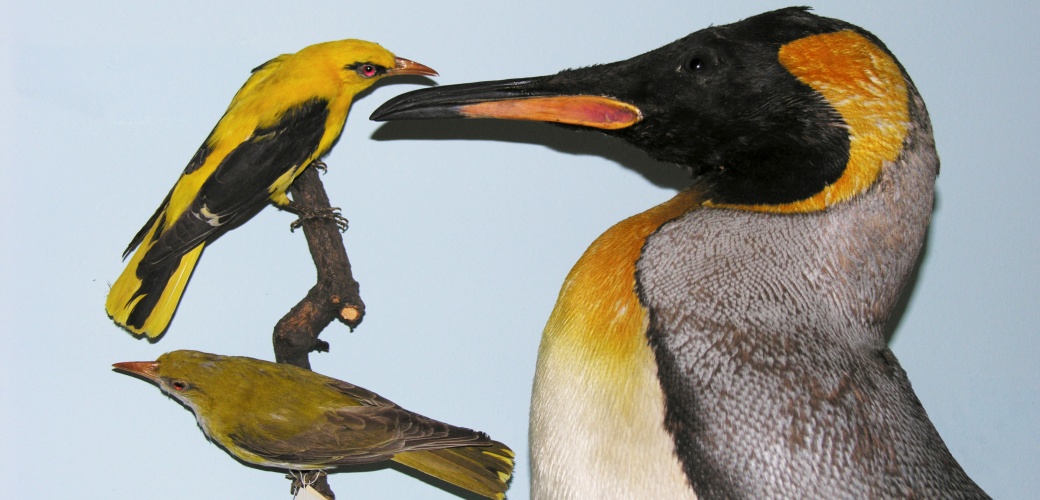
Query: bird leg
x,y
316,480
331,213
316,213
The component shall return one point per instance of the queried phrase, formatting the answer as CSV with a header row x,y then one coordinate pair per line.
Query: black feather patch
x,y
240,186
196,161
237,190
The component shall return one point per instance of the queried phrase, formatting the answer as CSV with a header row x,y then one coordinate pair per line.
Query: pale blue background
x,y
460,245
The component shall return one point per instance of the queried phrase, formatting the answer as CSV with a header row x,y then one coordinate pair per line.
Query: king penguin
x,y
729,343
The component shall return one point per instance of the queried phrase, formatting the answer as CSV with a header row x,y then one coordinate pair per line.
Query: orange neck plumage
x,y
598,315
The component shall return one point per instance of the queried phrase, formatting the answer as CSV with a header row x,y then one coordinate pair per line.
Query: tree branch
x,y
334,296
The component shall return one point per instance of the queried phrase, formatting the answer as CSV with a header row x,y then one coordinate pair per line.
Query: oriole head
x,y
348,66
188,376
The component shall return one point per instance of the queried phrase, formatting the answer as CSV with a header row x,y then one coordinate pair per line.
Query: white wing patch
x,y
210,217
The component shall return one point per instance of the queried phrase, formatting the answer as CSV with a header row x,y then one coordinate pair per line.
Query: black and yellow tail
x,y
145,296
484,470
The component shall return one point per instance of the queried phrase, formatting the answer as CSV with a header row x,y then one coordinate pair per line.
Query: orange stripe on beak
x,y
584,110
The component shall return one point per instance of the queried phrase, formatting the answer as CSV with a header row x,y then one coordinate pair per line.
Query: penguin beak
x,y
521,99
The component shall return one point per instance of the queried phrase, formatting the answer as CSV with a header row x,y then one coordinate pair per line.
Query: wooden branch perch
x,y
334,296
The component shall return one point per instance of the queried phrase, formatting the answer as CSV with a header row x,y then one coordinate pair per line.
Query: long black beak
x,y
520,99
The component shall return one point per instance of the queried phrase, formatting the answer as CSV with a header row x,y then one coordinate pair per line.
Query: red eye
x,y
367,70
179,386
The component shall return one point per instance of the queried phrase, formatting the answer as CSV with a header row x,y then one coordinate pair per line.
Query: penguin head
x,y
782,112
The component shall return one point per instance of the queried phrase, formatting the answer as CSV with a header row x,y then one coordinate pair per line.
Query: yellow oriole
x,y
288,114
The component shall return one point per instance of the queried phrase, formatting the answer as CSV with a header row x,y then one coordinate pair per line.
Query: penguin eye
x,y
695,64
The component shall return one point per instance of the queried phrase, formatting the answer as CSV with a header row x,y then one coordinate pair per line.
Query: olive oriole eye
x,y
179,386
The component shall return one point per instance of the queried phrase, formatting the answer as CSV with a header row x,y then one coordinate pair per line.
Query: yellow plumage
x,y
280,416
289,113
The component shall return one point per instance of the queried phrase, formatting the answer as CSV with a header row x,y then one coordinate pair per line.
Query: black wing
x,y
239,187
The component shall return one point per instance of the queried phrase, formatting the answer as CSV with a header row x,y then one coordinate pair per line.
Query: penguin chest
x,y
597,410
597,426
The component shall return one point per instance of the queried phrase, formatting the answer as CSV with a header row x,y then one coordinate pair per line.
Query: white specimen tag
x,y
308,493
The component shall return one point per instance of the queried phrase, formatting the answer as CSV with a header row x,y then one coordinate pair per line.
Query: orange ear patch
x,y
865,85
